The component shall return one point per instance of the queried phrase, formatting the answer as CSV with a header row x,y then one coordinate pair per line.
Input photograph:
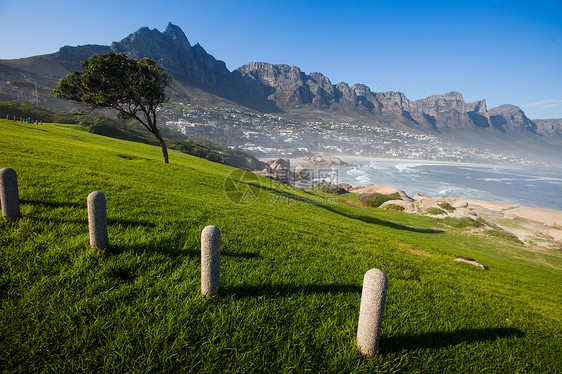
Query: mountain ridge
x,y
280,88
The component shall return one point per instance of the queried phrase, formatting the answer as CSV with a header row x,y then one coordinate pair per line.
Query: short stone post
x,y
372,308
210,260
97,220
9,197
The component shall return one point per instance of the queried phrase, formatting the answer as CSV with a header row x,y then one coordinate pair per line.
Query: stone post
x,y
210,260
9,197
97,220
371,313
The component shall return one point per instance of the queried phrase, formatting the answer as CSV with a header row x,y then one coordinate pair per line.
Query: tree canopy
x,y
135,88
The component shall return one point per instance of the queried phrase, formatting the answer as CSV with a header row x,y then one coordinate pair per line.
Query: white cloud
x,y
545,104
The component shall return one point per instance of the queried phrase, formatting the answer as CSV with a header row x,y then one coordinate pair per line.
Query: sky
x,y
507,52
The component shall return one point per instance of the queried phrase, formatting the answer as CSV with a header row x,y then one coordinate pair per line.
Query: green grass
x,y
435,211
291,273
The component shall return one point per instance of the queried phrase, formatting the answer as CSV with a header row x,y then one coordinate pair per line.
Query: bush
x,y
464,222
435,211
375,200
504,235
445,205
331,188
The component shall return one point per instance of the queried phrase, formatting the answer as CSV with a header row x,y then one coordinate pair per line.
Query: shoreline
x,y
295,161
528,223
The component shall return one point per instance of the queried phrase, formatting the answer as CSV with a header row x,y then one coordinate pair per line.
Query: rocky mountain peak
x,y
511,118
176,33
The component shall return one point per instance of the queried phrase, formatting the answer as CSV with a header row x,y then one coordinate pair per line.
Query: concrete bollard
x,y
9,197
97,220
372,308
210,260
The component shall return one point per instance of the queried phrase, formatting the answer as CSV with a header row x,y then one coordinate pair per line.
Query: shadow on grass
x,y
436,340
53,204
287,198
128,223
282,290
173,250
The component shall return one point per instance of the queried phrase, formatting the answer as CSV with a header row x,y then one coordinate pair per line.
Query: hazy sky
x,y
498,50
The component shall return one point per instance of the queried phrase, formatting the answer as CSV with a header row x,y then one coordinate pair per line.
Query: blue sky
x,y
501,51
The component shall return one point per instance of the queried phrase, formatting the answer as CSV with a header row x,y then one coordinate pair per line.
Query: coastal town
x,y
268,135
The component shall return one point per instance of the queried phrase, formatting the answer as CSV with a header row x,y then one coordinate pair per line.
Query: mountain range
x,y
200,78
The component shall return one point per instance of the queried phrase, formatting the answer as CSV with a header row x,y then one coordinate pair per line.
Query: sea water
x,y
535,188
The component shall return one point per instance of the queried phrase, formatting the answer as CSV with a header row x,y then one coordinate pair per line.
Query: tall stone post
x,y
9,197
97,220
373,298
210,260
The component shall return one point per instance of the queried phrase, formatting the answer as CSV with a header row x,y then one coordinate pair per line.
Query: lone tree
x,y
135,88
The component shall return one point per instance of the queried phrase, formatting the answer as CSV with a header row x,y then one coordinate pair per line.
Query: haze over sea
x,y
534,188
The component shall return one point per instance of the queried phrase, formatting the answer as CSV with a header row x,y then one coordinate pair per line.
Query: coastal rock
x,y
345,186
278,165
331,188
325,161
469,261
408,206
380,189
419,196
301,173
463,212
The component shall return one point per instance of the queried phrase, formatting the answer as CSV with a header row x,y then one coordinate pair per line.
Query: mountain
x,y
199,77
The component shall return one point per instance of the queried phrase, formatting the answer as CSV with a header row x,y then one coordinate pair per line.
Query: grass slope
x,y
291,274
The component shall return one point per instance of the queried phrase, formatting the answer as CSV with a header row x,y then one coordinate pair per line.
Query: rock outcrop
x,y
441,111
510,118
325,161
549,127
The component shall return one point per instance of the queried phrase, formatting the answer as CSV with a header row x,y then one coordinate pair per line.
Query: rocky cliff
x,y
549,127
510,118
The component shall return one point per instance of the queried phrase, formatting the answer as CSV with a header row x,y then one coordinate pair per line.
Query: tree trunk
x,y
163,146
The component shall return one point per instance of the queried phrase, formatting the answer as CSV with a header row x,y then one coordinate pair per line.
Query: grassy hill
x,y
291,272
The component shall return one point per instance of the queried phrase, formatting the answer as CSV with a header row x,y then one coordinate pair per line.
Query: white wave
x,y
373,165
406,166
356,171
363,179
496,179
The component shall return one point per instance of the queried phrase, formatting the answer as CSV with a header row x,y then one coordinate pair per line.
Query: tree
x,y
135,88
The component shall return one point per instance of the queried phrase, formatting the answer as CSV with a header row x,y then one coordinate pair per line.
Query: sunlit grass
x,y
291,271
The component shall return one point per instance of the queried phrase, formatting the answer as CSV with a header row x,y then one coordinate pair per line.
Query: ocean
x,y
534,188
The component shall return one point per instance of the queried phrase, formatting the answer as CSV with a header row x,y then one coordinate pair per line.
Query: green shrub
x,y
331,188
435,211
504,235
394,207
464,222
375,200
445,205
